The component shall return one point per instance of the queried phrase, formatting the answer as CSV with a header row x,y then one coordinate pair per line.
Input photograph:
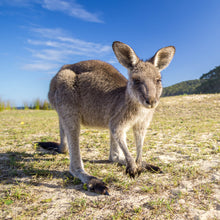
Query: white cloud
x,y
57,38
47,54
48,33
39,66
85,47
113,61
55,47
70,8
43,43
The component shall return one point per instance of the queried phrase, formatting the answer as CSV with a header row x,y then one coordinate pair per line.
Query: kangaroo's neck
x,y
129,98
133,104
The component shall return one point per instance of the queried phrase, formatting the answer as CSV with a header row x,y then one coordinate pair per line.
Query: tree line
x,y
36,105
207,83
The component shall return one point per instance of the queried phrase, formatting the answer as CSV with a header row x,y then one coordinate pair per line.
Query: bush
x,y
5,105
2,106
41,105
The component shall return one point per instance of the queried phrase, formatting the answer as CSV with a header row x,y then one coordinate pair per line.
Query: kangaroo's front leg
x,y
139,135
116,155
71,127
120,137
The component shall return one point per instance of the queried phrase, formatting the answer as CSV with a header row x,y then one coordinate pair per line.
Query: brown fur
x,y
94,93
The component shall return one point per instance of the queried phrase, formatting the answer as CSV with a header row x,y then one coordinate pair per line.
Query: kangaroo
x,y
94,93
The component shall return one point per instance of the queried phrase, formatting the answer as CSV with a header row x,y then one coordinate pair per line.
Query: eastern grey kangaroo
x,y
94,93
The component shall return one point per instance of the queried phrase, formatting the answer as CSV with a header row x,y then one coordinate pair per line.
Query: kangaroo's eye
x,y
136,81
158,81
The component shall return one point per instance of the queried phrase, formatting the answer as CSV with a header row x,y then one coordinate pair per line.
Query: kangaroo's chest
x,y
143,115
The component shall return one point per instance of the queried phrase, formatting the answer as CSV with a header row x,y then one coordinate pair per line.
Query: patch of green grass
x,y
46,200
70,180
162,205
79,205
14,194
120,212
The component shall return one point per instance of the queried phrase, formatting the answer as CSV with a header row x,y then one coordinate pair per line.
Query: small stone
x,y
215,177
182,201
175,192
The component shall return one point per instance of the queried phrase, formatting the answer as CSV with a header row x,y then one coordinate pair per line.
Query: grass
x,y
183,139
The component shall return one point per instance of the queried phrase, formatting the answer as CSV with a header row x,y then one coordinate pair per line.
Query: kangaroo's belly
x,y
94,119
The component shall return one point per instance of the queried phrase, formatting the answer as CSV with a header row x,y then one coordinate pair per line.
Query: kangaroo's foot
x,y
92,183
132,170
151,168
62,149
98,186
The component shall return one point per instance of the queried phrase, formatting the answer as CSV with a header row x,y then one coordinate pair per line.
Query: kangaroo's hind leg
x,y
71,127
63,147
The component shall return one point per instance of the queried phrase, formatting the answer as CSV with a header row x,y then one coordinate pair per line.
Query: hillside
x,y
186,87
208,83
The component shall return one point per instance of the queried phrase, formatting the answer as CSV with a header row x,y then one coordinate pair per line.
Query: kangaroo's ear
x,y
163,57
125,54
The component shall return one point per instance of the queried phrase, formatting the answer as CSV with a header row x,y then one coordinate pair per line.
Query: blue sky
x,y
38,36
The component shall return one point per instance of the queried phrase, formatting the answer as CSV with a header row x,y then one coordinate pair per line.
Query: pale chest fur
x,y
141,116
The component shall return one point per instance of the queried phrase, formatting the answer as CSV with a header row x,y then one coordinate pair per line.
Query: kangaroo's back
x,y
94,88
99,69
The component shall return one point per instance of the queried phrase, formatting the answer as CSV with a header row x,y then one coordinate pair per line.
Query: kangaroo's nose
x,y
151,101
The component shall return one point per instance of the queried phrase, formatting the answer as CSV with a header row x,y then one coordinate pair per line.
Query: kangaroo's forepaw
x,y
139,170
98,186
151,168
132,171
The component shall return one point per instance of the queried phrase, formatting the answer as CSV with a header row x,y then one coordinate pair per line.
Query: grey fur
x,y
94,93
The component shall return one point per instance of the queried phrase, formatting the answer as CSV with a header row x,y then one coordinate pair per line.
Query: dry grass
x,y
183,139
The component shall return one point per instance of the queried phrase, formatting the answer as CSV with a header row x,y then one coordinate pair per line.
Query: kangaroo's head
x,y
144,85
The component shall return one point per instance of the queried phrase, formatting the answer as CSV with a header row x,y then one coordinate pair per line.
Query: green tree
x,y
211,81
2,105
37,104
46,105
